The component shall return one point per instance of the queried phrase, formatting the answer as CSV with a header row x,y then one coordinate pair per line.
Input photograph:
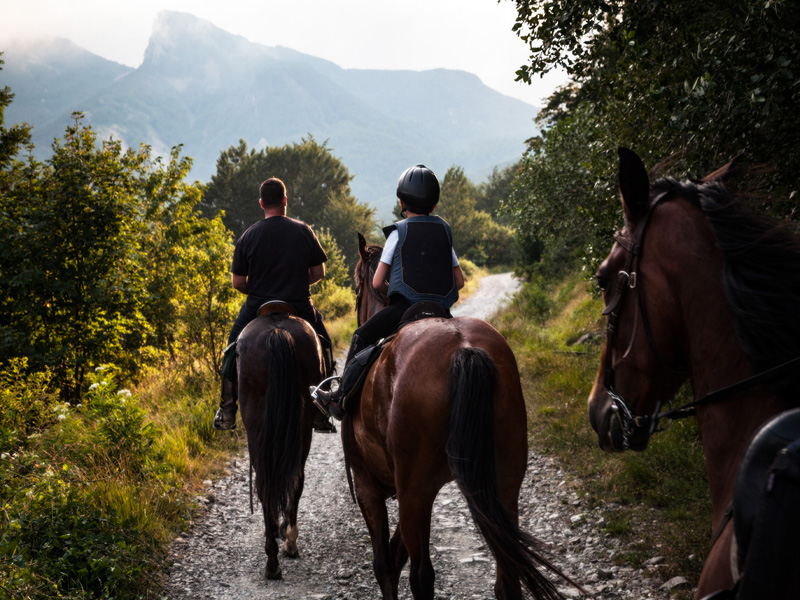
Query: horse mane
x,y
761,276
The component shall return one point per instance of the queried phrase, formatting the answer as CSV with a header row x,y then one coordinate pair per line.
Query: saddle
x,y
356,370
426,309
766,513
228,366
275,306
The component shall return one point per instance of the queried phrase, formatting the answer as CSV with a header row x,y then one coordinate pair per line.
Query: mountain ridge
x,y
206,89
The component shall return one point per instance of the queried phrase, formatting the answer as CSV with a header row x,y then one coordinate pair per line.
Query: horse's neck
x,y
718,361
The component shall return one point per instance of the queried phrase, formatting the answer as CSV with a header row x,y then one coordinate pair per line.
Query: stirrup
x,y
318,401
316,388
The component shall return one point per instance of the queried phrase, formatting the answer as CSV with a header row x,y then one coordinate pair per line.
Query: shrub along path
x,y
222,556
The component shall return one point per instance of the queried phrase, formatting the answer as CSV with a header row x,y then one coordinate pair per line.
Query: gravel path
x,y
222,555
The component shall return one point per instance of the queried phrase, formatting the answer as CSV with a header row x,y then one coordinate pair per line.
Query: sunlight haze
x,y
468,35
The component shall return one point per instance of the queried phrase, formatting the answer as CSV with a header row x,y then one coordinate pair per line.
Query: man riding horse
x,y
277,258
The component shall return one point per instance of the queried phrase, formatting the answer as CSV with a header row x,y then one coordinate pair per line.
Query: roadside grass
x,y
655,501
92,494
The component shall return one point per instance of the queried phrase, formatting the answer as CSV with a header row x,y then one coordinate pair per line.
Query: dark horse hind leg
x,y
372,502
273,568
373,507
397,550
415,526
289,530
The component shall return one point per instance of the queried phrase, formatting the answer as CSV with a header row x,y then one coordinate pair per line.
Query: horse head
x,y
656,258
368,299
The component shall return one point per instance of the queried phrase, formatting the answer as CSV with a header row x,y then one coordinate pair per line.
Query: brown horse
x,y
696,287
279,357
442,402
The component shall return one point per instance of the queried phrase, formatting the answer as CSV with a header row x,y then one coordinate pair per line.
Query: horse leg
x,y
415,526
289,525
372,503
273,569
373,508
397,549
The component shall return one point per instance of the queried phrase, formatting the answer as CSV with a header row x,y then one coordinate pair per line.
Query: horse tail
x,y
278,449
471,455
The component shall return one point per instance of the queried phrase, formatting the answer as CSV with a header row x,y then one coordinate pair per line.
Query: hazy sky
x,y
471,35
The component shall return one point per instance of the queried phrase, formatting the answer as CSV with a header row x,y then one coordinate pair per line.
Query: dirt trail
x,y
222,556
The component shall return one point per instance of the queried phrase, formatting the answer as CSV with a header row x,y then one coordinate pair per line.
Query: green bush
x,y
28,403
118,424
88,503
333,301
62,542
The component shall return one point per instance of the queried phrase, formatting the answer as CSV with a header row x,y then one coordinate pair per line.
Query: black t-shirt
x,y
275,255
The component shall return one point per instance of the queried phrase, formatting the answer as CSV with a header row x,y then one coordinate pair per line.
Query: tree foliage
x,y
491,194
12,140
476,236
695,84
102,252
318,190
559,202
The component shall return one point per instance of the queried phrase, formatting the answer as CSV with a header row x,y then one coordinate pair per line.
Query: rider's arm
x,y
459,275
239,282
379,279
316,273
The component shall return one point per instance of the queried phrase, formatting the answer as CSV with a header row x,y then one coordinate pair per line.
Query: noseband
x,y
628,279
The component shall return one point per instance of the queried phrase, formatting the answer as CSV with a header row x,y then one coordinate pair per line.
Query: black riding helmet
x,y
419,189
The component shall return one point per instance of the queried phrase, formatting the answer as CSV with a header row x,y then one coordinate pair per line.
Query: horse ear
x,y
726,172
362,247
634,184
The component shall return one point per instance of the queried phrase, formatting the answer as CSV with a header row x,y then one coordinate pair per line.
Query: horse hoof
x,y
277,574
282,530
290,552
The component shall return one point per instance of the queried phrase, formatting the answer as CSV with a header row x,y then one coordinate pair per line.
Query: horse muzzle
x,y
616,427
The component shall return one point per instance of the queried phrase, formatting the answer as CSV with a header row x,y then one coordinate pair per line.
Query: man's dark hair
x,y
272,192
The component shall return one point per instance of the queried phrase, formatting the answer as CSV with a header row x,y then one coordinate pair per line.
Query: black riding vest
x,y
422,263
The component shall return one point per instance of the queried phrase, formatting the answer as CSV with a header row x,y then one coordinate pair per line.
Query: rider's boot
x,y
330,401
226,414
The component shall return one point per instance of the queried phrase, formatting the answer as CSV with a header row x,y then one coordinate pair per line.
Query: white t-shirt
x,y
391,244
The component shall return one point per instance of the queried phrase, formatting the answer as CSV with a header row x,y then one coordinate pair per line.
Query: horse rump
x,y
471,456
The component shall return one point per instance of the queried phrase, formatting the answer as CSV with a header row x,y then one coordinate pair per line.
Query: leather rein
x,y
628,279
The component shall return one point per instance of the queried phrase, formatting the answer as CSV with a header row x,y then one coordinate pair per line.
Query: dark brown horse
x,y
696,287
279,357
442,402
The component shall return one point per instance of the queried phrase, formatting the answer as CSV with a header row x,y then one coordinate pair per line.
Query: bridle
x,y
628,279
